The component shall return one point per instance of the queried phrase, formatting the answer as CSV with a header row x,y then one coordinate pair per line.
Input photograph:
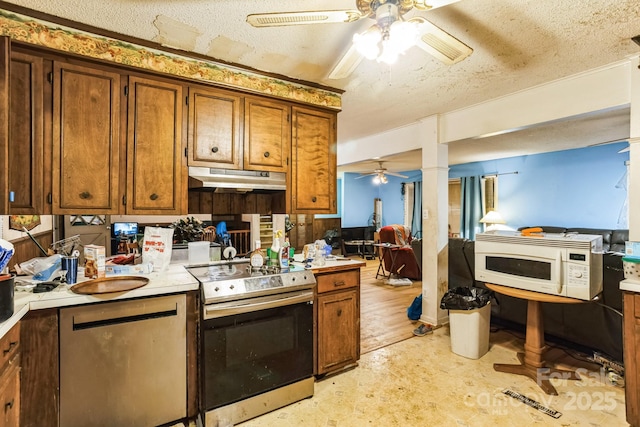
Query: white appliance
x,y
567,264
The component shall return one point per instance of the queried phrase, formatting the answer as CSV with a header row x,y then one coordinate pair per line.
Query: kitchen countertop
x,y
172,280
630,285
334,265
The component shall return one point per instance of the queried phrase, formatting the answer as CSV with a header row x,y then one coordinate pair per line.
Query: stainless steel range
x,y
256,341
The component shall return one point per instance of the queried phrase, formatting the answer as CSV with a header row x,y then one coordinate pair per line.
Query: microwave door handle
x,y
559,272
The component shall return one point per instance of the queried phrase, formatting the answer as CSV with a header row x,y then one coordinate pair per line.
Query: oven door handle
x,y
213,310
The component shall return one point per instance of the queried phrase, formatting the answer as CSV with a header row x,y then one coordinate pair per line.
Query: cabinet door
x,y
338,327
214,128
26,193
86,107
156,173
4,125
267,135
10,394
313,162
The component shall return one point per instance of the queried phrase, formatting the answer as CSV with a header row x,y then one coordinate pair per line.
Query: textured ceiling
x,y
517,44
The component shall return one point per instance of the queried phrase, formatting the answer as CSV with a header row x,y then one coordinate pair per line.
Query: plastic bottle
x,y
275,251
257,257
283,256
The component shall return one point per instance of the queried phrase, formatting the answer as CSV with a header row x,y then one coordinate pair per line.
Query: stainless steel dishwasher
x,y
123,363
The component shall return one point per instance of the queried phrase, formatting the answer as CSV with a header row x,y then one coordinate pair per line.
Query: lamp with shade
x,y
491,219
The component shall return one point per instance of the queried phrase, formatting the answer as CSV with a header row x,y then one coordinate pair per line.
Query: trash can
x,y
469,320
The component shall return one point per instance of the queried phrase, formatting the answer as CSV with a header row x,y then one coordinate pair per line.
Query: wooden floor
x,y
383,310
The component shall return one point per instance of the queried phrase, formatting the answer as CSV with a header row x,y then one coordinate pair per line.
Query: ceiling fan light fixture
x,y
367,42
389,37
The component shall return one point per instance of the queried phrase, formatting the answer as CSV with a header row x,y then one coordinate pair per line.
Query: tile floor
x,y
420,382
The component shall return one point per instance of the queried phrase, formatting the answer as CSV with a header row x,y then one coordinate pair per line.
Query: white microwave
x,y
569,265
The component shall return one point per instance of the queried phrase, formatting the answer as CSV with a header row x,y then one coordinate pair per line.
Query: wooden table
x,y
362,247
532,363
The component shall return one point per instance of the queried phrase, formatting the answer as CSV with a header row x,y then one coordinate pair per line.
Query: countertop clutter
x,y
172,280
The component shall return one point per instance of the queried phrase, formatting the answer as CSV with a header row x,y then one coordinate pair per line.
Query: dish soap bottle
x,y
274,253
257,256
283,256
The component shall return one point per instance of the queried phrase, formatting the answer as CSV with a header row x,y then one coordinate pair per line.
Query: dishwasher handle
x,y
121,312
78,326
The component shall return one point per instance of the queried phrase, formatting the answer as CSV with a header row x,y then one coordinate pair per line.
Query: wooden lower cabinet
x,y
40,381
10,377
631,341
338,320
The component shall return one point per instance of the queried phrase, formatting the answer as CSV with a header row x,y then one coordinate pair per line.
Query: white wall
x,y
46,224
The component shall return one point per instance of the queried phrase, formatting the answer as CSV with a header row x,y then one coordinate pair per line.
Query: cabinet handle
x,y
313,199
340,283
214,150
85,195
339,312
11,345
266,154
154,196
8,406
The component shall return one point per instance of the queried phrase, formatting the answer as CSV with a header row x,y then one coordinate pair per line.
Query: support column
x,y
634,156
435,237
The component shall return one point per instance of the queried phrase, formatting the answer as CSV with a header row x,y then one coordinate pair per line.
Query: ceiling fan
x,y
380,175
390,35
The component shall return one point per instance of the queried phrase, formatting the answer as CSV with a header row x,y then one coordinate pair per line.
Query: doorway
x,y
92,230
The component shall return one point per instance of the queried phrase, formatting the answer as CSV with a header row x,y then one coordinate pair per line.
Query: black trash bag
x,y
464,298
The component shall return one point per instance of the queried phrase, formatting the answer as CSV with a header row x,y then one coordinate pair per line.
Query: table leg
x,y
532,363
381,271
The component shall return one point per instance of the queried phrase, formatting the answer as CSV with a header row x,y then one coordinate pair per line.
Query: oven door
x,y
259,346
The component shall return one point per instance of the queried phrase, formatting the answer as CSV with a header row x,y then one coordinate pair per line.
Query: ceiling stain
x,y
175,34
230,50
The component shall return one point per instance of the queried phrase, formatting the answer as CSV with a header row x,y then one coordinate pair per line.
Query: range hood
x,y
224,180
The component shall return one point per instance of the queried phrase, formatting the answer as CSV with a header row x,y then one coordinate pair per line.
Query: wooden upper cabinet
x,y
86,108
214,128
267,135
26,119
156,172
313,162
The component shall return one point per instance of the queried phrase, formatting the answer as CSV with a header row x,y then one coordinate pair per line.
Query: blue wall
x,y
571,188
359,194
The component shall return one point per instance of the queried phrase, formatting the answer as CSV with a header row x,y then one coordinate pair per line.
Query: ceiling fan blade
x,y
432,4
345,66
399,175
442,45
363,175
279,19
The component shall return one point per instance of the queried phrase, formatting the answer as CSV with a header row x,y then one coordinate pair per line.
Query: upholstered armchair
x,y
399,260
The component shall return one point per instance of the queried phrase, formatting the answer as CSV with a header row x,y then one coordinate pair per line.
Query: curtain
x,y
416,221
470,206
408,203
